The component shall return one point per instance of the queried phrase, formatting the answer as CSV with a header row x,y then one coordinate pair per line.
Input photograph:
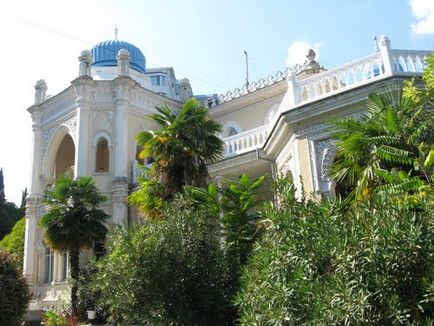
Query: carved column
x,y
119,198
33,204
33,201
82,87
120,183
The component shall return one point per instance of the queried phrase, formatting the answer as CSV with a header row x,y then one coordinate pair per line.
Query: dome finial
x,y
116,31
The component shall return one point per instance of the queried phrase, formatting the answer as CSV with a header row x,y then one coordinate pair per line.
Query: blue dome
x,y
104,55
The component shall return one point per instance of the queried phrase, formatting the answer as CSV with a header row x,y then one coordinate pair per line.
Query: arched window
x,y
232,131
230,128
102,163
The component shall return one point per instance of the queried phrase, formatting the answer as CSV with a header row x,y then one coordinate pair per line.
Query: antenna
x,y
247,69
116,31
374,37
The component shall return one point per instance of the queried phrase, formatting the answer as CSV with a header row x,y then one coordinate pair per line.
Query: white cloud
x,y
423,10
297,52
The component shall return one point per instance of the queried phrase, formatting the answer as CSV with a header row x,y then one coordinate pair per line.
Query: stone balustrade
x,y
347,76
377,66
245,141
408,61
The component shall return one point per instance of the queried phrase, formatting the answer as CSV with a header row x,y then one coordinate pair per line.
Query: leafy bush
x,y
88,295
167,272
319,264
13,243
14,293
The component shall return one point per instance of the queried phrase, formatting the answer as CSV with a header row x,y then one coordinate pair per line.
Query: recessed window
x,y
49,264
158,80
102,156
64,266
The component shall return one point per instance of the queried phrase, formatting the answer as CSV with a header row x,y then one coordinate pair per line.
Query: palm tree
x,y
181,149
388,149
73,221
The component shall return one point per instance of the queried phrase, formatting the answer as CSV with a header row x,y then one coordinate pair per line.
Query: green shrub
x,y
319,264
88,295
13,243
167,272
14,293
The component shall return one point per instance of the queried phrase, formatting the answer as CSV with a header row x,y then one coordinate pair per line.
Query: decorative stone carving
x,y
253,86
32,205
311,129
311,66
47,135
119,190
325,152
71,124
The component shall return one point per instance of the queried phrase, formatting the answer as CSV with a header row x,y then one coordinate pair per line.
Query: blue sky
x,y
203,40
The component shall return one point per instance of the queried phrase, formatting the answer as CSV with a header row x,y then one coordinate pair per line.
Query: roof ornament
x,y
116,31
310,65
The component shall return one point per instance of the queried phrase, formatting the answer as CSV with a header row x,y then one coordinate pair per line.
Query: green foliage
x,y
396,134
148,198
88,295
167,272
14,293
73,221
13,243
51,318
233,204
321,264
186,142
9,213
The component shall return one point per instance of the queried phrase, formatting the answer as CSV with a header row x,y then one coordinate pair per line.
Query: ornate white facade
x,y
277,125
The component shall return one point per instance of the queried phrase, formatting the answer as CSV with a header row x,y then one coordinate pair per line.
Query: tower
x,y
88,129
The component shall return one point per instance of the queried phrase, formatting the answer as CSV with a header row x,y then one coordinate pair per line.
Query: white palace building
x,y
277,125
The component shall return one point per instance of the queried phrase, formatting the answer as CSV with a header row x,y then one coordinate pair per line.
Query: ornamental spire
x,y
116,32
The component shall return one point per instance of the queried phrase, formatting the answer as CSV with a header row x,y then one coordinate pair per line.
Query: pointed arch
x,y
102,147
50,154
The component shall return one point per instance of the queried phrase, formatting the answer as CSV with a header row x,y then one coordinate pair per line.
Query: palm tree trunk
x,y
75,259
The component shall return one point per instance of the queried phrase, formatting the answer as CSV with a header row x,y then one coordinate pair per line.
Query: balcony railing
x,y
380,65
245,141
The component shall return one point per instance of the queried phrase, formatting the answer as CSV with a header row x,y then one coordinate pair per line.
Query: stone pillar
x,y
34,200
386,54
37,155
120,146
85,60
81,161
119,198
123,63
33,204
40,91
